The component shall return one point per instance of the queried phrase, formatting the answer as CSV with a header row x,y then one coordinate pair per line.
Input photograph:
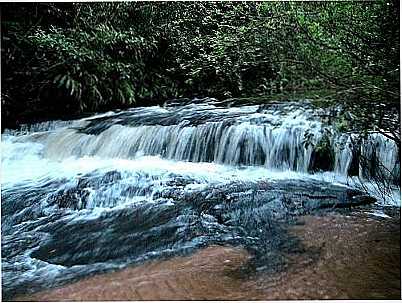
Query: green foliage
x,y
342,125
75,57
324,145
323,156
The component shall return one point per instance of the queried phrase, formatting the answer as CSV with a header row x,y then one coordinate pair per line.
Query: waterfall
x,y
273,137
100,193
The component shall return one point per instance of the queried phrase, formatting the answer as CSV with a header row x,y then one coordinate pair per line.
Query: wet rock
x,y
95,180
70,198
177,102
322,157
360,200
174,220
187,101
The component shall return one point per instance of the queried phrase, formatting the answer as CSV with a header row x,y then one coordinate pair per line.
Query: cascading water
x,y
196,133
100,193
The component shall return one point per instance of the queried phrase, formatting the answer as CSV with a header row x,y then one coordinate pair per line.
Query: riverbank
x,y
357,256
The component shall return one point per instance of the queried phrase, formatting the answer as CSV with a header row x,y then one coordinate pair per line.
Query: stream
x,y
98,194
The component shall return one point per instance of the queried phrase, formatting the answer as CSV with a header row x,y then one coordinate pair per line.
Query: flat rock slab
x,y
57,231
358,258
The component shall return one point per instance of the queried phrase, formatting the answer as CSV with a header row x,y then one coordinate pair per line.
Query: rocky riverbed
x,y
146,188
342,256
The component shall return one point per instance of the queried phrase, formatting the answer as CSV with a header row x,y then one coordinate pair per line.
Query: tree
x,y
61,60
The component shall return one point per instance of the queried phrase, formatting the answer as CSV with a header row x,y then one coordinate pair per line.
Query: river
x,y
122,188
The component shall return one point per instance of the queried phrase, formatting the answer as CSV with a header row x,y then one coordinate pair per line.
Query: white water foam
x,y
255,145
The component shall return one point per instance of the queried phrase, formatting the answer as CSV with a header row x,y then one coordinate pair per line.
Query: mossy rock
x,y
323,156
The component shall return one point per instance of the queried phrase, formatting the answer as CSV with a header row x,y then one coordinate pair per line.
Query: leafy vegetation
x,y
64,59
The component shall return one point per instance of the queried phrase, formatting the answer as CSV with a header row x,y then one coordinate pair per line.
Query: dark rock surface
x,y
57,236
172,114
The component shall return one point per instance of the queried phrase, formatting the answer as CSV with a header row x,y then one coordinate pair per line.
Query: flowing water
x,y
97,194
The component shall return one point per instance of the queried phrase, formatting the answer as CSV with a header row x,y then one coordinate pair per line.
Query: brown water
x,y
358,258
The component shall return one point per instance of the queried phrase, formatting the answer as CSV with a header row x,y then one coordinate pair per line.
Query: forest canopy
x,y
64,59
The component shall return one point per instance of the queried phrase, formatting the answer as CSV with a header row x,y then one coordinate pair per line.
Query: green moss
x,y
342,125
323,156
